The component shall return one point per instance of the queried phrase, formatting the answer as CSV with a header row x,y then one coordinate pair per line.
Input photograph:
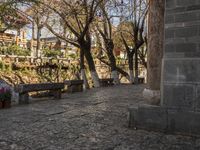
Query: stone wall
x,y
181,71
180,85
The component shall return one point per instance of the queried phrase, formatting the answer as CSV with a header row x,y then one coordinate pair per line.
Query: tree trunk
x,y
33,30
87,52
155,50
32,41
38,42
130,65
82,68
136,67
121,71
155,43
114,74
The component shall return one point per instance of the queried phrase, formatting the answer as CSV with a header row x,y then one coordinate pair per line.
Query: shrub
x,y
14,50
51,53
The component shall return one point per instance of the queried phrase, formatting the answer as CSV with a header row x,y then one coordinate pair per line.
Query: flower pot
x,y
1,104
6,104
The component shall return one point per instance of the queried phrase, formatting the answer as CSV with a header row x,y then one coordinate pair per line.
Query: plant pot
x,y
6,104
1,104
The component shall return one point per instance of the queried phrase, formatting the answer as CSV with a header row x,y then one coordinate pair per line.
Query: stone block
x,y
186,47
169,19
170,48
23,98
193,8
169,55
148,117
178,96
162,119
132,117
185,2
192,31
175,10
186,17
197,100
184,122
179,70
169,33
192,55
170,4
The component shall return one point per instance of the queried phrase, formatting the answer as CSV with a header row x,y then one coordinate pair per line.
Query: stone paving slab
x,y
92,120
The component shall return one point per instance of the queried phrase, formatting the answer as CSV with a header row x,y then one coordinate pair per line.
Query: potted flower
x,y
5,97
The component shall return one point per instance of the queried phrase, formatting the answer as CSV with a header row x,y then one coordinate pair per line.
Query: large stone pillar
x,y
180,84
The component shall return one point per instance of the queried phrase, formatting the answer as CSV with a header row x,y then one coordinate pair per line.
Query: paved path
x,y
96,119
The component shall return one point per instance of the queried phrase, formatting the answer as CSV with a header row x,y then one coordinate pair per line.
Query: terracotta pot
x,y
1,104
6,104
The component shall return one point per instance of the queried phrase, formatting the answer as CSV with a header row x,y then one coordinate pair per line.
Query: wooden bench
x,y
141,80
74,85
106,82
24,89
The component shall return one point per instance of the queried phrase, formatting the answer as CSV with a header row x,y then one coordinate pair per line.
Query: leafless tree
x,y
104,26
77,17
136,27
39,17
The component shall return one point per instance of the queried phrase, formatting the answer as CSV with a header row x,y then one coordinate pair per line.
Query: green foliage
x,y
14,50
2,65
73,56
51,53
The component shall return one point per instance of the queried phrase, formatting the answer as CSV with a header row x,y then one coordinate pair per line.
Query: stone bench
x,y
141,80
74,85
106,82
24,89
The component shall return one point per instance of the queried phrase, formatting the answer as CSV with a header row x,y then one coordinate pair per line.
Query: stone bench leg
x,y
111,83
80,88
23,98
75,88
106,83
103,84
57,94
70,89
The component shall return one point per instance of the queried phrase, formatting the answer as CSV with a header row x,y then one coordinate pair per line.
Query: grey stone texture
x,y
148,117
180,86
179,121
92,120
182,27
181,72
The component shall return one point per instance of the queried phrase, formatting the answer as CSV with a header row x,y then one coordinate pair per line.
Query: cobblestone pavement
x,y
96,119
